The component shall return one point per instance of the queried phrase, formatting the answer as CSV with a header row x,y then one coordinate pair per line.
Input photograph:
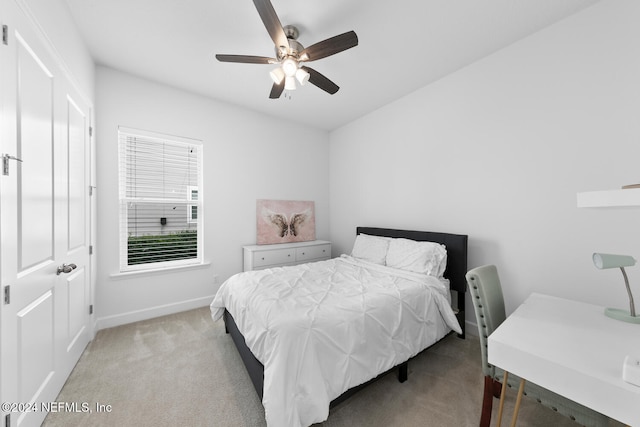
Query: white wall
x,y
498,151
247,156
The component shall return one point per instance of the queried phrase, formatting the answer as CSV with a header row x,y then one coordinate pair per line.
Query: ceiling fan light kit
x,y
302,76
277,75
290,83
290,54
289,66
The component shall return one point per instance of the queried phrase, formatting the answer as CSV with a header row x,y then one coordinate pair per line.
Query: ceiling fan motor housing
x,y
294,47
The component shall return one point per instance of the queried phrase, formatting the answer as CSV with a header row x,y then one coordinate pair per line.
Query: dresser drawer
x,y
258,257
273,257
309,253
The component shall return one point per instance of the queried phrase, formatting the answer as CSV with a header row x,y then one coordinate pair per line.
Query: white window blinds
x,y
160,200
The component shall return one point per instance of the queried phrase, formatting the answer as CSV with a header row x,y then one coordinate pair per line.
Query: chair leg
x,y
503,394
514,419
497,389
487,401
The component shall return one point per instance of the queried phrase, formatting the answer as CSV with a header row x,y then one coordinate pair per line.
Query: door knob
x,y
66,268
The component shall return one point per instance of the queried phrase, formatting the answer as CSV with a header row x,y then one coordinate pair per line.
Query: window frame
x,y
125,135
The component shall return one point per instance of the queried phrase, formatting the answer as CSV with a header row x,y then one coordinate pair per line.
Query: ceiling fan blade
x,y
315,78
271,22
246,59
331,46
276,90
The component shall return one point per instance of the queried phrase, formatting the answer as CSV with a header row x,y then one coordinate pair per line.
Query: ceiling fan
x,y
290,54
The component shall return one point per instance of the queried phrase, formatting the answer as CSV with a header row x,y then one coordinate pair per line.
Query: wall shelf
x,y
609,198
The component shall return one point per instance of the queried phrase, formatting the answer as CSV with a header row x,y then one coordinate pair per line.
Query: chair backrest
x,y
488,304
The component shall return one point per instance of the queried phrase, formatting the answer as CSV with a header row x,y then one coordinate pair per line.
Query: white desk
x,y
573,349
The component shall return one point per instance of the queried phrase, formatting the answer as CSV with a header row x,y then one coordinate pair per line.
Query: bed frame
x,y
456,269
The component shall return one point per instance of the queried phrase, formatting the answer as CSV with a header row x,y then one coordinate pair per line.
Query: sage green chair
x,y
488,304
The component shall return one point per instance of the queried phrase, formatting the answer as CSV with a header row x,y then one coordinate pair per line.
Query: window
x,y
192,210
160,200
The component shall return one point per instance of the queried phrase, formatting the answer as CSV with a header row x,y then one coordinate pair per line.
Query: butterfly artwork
x,y
287,226
284,221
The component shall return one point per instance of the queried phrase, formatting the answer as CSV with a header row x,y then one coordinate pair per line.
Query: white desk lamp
x,y
603,261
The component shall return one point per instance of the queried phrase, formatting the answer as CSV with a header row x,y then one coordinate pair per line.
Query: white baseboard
x,y
471,328
151,312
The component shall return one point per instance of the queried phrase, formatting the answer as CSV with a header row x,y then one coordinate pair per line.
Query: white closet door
x,y
45,221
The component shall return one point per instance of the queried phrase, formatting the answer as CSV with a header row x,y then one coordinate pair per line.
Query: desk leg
x,y
518,400
502,395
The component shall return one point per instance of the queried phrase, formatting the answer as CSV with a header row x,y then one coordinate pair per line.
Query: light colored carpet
x,y
183,370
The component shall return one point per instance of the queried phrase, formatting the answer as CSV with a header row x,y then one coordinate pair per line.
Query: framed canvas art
x,y
285,221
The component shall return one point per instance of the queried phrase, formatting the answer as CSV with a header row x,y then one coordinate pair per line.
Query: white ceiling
x,y
403,45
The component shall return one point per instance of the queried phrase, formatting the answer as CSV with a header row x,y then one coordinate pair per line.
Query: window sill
x,y
156,271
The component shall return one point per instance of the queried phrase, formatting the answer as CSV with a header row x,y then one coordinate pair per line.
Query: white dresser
x,y
257,257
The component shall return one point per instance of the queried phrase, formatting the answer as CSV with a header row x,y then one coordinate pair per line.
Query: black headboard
x,y
456,245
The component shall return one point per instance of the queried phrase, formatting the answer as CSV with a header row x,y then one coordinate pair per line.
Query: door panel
x,y
35,148
76,318
30,323
76,210
77,176
34,294
36,347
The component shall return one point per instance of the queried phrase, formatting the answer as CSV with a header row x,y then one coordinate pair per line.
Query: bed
x,y
310,335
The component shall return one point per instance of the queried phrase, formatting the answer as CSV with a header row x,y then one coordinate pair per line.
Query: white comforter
x,y
322,328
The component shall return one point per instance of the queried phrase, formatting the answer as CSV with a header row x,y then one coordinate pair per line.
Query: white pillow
x,y
420,257
370,248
